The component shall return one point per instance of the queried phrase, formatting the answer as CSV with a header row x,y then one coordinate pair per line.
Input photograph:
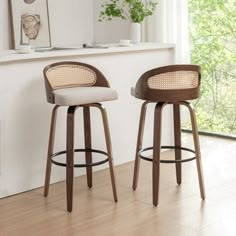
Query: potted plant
x,y
133,10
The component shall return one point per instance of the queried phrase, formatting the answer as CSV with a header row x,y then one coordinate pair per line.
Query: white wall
x,y
25,116
71,22
5,39
113,31
81,15
78,14
107,32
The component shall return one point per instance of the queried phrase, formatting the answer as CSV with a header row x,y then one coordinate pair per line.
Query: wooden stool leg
x,y
177,134
88,141
50,150
156,151
109,149
70,156
197,151
139,144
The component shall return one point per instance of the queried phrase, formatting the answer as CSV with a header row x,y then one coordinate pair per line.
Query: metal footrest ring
x,y
167,161
80,165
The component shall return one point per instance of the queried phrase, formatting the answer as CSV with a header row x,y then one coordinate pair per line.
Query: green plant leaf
x,y
132,10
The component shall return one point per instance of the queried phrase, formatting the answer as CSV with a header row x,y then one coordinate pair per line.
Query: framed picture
x,y
30,23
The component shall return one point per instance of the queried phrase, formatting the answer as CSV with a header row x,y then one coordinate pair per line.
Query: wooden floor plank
x,y
180,211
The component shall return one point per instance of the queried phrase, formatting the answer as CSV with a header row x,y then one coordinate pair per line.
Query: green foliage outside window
x,y
213,46
132,10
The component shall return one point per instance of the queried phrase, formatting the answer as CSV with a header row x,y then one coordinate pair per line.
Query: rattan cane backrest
x,y
169,83
64,76
174,80
71,74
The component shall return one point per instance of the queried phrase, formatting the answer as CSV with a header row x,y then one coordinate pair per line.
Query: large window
x,y
213,46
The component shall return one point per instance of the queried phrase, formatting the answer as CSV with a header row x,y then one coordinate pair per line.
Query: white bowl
x,y
125,42
24,49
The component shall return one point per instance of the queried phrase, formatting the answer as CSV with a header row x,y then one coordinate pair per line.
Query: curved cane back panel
x,y
67,76
169,83
71,74
174,80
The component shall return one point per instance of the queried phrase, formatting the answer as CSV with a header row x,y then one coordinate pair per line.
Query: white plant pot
x,y
135,32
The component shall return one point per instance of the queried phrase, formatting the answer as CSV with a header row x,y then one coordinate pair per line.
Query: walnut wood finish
x,y
101,81
70,149
156,151
163,97
50,149
109,147
177,134
157,146
197,149
139,143
179,212
70,156
142,90
88,145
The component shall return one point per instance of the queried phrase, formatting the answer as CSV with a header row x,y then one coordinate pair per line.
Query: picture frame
x,y
30,23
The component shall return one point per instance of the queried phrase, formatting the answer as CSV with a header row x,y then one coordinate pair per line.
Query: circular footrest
x,y
79,165
167,161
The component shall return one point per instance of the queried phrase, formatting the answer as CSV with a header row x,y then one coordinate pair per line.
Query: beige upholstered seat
x,y
132,91
84,95
74,83
78,86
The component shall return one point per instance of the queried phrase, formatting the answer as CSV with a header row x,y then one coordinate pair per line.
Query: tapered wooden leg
x,y
156,151
139,144
50,150
177,134
109,149
197,151
88,141
70,156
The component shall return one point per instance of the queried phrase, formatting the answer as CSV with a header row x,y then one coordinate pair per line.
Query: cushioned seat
x,y
78,86
84,95
132,91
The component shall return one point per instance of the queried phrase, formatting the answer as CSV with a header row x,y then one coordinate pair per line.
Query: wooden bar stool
x,y
172,84
77,85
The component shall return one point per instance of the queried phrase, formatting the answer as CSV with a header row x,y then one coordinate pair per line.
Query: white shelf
x,y
13,56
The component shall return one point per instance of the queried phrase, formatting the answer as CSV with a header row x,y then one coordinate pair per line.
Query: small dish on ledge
x,y
125,43
24,49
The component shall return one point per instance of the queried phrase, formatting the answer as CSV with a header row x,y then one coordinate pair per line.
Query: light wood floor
x,y
180,212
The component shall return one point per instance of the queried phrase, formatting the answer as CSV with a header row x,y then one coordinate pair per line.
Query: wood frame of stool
x,y
70,149
157,145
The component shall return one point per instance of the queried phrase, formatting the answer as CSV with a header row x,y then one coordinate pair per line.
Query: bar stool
x,y
172,84
77,85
